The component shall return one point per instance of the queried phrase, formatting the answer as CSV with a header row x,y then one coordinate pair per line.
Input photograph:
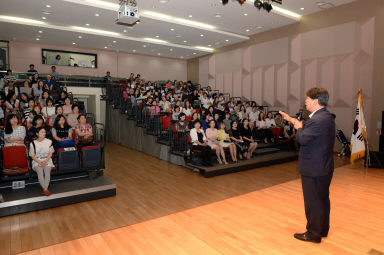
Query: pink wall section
x,y
119,64
279,72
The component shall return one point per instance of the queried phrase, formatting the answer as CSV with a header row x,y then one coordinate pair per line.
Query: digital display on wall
x,y
68,58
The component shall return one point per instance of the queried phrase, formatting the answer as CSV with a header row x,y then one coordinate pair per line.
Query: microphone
x,y
300,114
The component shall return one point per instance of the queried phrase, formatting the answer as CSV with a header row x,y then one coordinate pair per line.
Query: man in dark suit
x,y
316,137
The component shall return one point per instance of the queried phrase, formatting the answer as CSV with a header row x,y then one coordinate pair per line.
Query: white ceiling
x,y
236,24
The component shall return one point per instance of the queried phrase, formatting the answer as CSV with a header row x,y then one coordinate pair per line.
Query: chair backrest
x,y
15,156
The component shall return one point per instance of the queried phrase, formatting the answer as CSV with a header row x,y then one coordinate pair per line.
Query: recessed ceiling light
x,y
170,49
218,15
157,36
144,46
172,29
259,27
44,17
302,8
137,22
209,45
201,35
185,41
163,1
181,57
46,12
178,36
40,32
245,14
87,25
97,15
124,30
133,50
48,6
159,53
190,16
247,30
105,47
73,43
227,40
114,41
79,37
194,53
37,39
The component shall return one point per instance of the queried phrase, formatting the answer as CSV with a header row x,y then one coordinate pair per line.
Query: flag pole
x,y
367,162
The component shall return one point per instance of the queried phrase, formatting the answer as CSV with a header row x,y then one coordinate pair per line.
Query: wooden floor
x,y
165,209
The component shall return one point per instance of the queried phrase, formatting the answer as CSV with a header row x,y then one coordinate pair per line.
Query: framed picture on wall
x,y
68,58
4,59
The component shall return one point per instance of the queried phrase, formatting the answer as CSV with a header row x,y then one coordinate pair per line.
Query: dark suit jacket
x,y
316,139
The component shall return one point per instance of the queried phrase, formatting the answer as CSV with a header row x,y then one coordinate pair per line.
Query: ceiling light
x,y
204,48
124,30
178,36
218,15
104,3
190,16
194,53
79,37
163,1
97,15
40,32
227,40
247,30
114,41
105,47
37,39
259,27
73,43
209,45
87,25
194,23
170,49
97,31
144,46
155,40
302,8
245,14
48,6
157,36
181,57
201,35
43,17
185,41
46,12
157,15
23,20
159,53
172,29
133,50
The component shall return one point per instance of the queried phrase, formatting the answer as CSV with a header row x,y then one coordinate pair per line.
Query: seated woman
x,y
225,141
28,120
84,133
181,125
41,151
72,117
26,88
212,136
44,98
199,142
49,110
246,134
195,116
176,112
23,102
62,133
12,104
14,133
263,130
67,107
236,138
206,120
187,109
37,122
61,100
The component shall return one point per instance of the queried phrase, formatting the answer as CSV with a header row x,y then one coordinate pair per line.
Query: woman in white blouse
x,y
41,151
265,132
270,121
199,143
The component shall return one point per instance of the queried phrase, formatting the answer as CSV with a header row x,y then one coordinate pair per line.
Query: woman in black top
x,y
62,133
236,138
246,133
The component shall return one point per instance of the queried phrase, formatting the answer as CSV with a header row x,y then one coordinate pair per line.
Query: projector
x,y
128,13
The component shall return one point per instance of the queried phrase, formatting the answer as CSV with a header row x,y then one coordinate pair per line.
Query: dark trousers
x,y
317,204
205,153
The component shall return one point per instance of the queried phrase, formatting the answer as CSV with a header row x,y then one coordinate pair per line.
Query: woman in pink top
x,y
67,107
212,135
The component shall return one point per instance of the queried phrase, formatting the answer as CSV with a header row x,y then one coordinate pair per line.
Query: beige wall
x,y
193,70
119,64
341,49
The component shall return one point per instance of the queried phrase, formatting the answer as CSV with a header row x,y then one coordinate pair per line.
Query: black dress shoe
x,y
307,237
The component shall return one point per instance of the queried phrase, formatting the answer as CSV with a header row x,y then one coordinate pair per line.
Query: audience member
x,y
72,117
212,136
14,133
84,132
199,142
225,141
249,143
62,133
